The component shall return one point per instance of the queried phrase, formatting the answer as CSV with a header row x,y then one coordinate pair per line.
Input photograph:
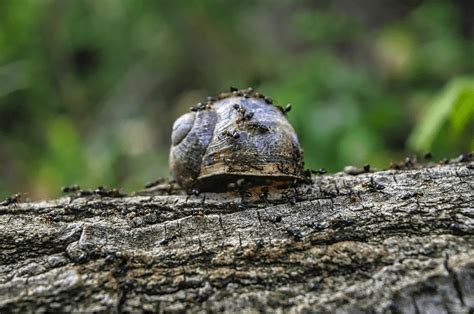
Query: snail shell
x,y
231,139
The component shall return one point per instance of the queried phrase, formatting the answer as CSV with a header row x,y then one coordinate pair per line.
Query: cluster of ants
x,y
244,114
250,92
408,163
100,191
235,92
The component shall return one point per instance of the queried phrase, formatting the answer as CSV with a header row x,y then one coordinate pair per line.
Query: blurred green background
x,y
89,89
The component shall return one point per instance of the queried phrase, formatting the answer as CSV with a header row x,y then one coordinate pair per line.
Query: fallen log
x,y
386,241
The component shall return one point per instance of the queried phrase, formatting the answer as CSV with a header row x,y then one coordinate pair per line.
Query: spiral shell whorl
x,y
191,136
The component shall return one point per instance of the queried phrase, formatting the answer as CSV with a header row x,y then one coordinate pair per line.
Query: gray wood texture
x,y
394,241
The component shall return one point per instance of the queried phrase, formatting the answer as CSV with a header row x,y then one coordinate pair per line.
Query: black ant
x,y
71,189
85,193
284,110
234,134
199,107
13,199
248,115
101,191
239,109
319,171
259,127
155,183
264,194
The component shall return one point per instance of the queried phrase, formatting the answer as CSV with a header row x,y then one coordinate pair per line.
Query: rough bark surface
x,y
388,241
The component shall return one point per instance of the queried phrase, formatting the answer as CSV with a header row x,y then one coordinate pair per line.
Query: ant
x,y
239,108
199,107
284,110
71,189
234,134
268,100
155,183
263,196
13,199
245,116
319,171
101,191
248,115
259,127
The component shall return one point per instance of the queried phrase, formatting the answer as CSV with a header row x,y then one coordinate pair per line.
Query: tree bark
x,y
388,241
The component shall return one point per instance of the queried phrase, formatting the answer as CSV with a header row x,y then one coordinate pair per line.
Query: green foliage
x,y
448,122
90,88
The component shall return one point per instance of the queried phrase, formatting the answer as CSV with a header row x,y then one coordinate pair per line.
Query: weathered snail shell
x,y
234,138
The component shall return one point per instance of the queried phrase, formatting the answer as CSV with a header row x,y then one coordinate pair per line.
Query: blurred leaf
x,y
455,103
463,111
